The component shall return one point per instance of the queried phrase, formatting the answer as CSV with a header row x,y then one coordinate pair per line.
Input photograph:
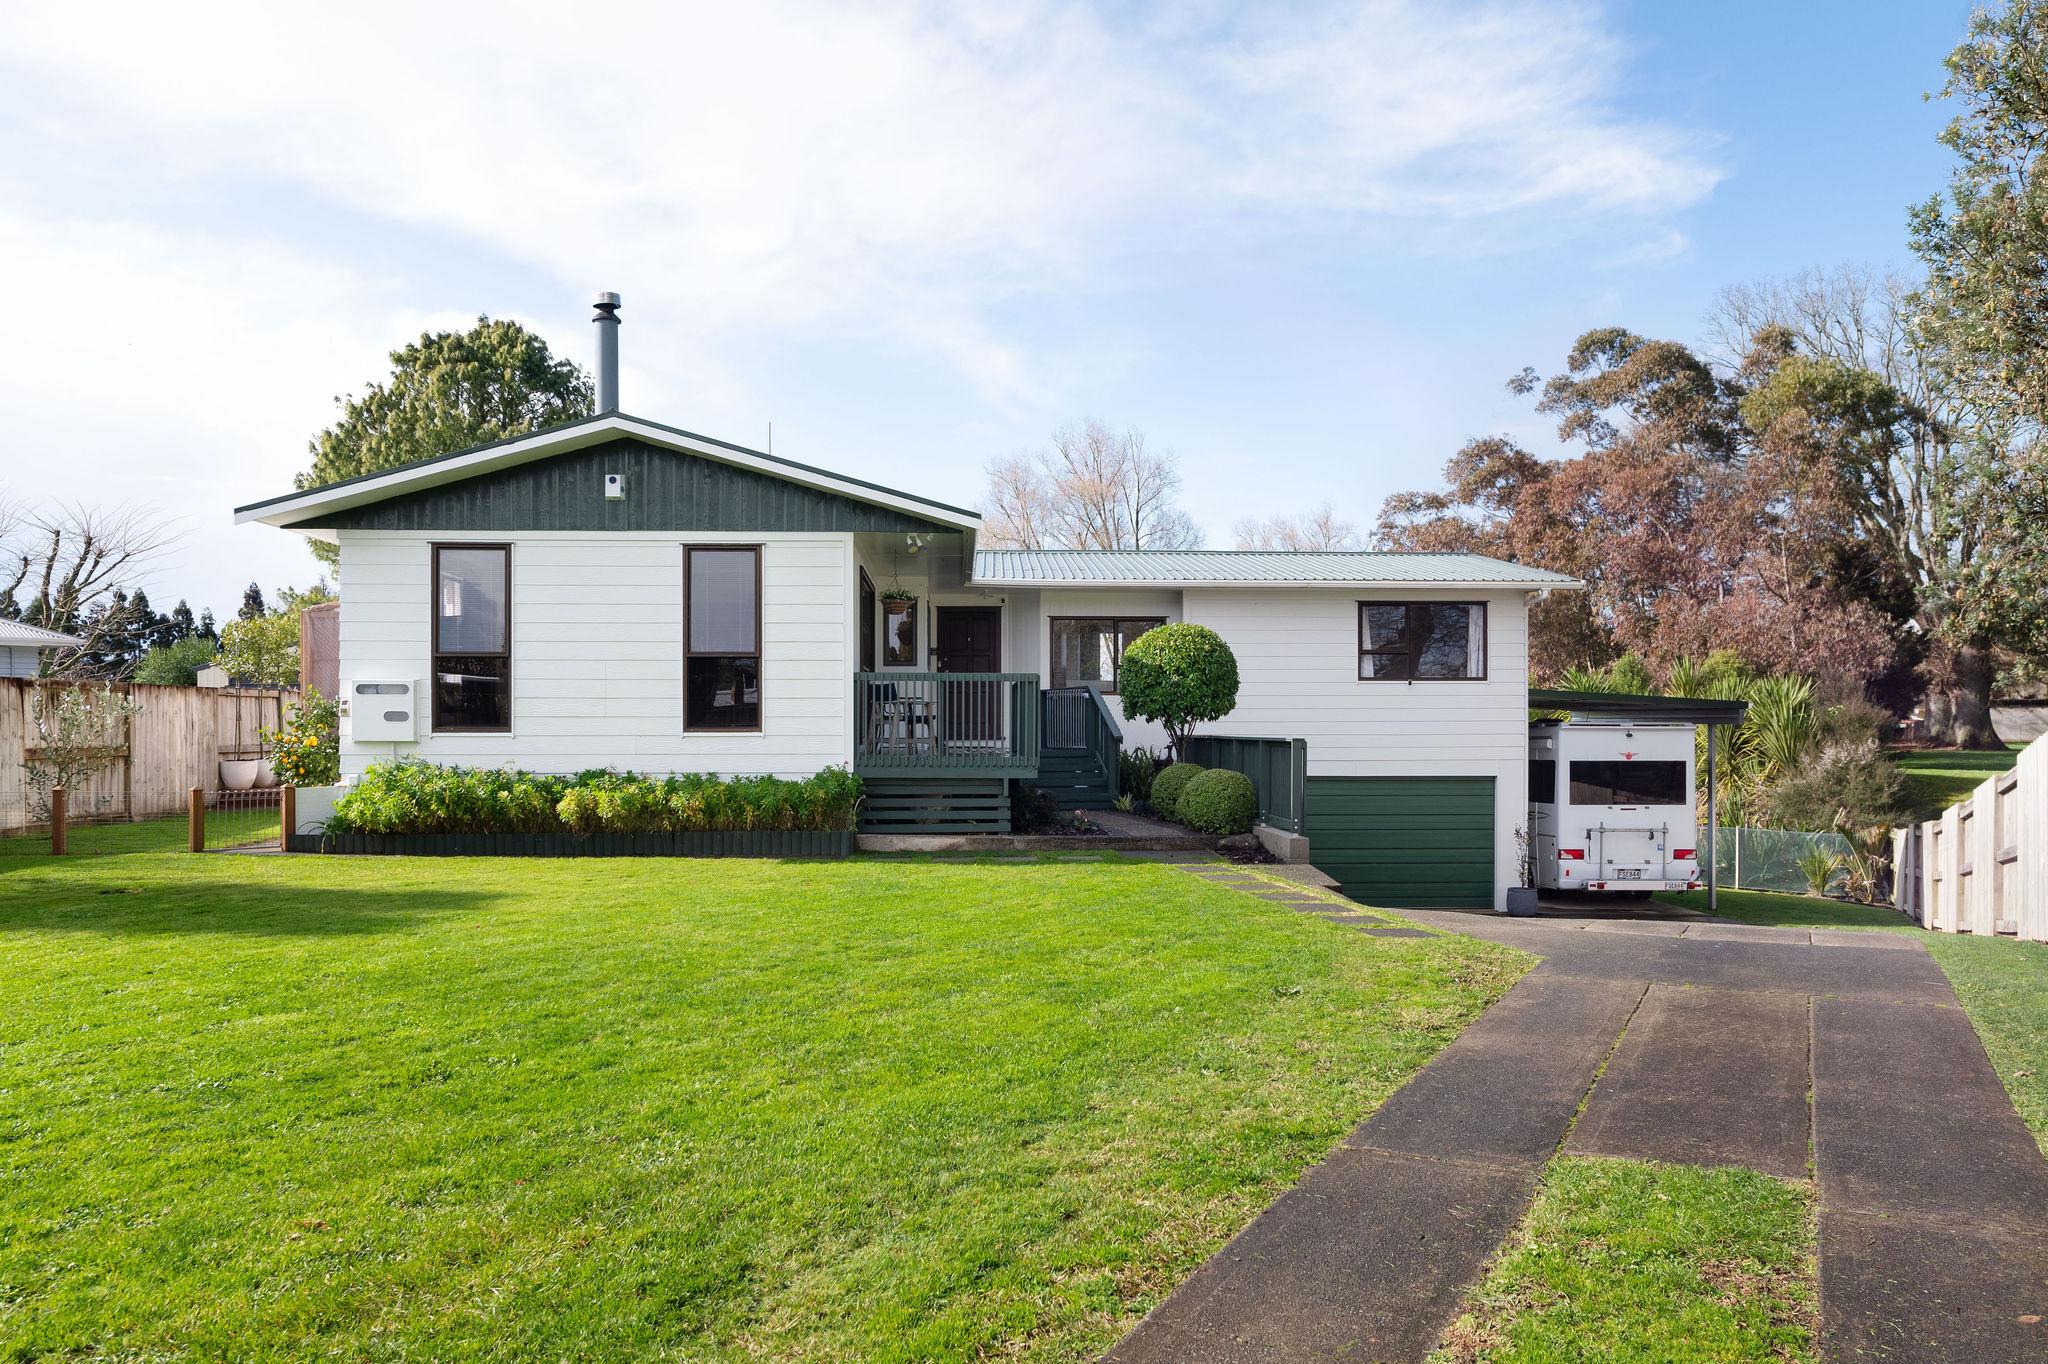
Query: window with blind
x,y
1413,641
1090,649
722,637
472,629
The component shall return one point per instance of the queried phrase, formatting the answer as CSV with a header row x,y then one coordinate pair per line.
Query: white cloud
x,y
802,169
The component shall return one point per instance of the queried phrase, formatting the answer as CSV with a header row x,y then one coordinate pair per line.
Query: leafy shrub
x,y
1847,784
309,747
1820,868
1135,769
1219,801
416,797
1168,785
178,664
1179,675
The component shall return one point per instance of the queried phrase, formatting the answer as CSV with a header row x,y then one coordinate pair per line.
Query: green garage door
x,y
1422,842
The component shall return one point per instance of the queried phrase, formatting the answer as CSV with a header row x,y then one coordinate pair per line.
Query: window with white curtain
x,y
1411,641
722,637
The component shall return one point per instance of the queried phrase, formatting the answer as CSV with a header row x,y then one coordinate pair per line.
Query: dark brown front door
x,y
970,640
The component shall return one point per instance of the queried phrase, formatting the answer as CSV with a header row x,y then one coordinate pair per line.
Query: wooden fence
x,y
1983,866
153,760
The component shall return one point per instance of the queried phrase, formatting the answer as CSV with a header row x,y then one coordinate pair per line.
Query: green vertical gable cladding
x,y
666,490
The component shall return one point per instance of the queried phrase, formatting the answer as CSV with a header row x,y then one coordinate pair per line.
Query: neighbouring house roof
x,y
16,634
403,497
1180,567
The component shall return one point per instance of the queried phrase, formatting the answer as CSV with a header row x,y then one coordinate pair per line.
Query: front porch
x,y
940,750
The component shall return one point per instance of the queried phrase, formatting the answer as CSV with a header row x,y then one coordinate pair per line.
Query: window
x,y
899,632
472,626
1091,648
1407,641
722,638
1542,781
1617,783
867,623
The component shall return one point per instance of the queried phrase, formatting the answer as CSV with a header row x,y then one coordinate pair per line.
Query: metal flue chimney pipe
x,y
607,321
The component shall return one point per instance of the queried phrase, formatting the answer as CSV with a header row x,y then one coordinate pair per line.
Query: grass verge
x,y
466,1109
1774,909
1937,778
1648,1264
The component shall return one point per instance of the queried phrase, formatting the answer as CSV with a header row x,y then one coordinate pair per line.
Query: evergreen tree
x,y
252,604
181,624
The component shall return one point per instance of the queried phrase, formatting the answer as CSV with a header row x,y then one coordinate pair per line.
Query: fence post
x,y
60,801
195,814
287,817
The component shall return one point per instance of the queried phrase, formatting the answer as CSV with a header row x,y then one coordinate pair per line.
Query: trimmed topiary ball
x,y
1219,801
1180,675
1168,785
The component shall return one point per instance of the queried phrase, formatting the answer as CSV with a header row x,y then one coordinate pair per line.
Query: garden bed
x,y
732,843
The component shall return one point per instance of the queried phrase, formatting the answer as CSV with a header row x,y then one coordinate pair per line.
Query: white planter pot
x,y
265,776
240,774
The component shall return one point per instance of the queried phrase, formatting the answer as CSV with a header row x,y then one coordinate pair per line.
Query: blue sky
x,y
1300,245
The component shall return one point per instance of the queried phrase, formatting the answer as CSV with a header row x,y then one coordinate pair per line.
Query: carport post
x,y
1713,901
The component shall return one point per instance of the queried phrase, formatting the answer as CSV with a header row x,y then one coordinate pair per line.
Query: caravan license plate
x,y
1628,873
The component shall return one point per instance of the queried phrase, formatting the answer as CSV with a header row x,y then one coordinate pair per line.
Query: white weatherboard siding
x,y
1297,661
597,651
1107,601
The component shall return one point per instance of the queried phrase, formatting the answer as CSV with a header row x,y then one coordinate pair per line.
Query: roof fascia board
x,y
1347,584
491,458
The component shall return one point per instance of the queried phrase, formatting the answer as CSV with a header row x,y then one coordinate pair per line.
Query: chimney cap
x,y
606,301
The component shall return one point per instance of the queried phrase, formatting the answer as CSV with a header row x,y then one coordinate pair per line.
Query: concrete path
x,y
1833,1055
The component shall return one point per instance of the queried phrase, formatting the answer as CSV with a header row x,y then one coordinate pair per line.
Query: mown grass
x,y
271,1108
1937,778
1648,1264
1779,910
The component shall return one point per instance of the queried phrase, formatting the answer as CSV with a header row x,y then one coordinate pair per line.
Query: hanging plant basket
x,y
898,594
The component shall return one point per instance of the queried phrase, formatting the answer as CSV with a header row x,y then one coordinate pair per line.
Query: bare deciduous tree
x,y
1093,489
59,563
1318,529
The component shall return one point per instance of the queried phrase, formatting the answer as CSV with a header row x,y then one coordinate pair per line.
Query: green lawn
x,y
267,1108
1775,909
1648,1264
1937,778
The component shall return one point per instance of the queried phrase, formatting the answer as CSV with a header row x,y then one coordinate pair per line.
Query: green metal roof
x,y
1172,567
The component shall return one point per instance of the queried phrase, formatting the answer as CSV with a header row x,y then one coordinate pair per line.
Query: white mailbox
x,y
382,711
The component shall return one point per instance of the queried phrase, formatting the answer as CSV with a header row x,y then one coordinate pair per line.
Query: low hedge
x,y
1168,785
1219,801
416,797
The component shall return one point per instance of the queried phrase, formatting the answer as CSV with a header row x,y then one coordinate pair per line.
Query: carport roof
x,y
1601,705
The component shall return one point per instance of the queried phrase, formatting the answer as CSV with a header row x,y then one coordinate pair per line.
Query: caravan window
x,y
1542,780
1407,641
1629,783
472,625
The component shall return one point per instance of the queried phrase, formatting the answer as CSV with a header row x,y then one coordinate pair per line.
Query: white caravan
x,y
1611,806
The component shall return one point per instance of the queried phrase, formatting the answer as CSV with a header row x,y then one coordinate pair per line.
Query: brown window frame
x,y
435,653
1108,686
760,553
1485,641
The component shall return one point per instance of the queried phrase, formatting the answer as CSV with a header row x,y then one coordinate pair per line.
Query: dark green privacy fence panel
x,y
1278,768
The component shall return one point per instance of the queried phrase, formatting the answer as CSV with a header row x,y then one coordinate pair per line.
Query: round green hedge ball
x,y
1167,787
1219,801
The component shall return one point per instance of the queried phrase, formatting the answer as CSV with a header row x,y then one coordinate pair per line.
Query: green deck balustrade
x,y
908,724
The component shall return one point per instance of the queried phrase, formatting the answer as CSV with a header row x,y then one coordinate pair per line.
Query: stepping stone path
x,y
1805,1053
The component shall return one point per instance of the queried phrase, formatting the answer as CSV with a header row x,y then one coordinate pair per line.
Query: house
x,y
22,647
613,591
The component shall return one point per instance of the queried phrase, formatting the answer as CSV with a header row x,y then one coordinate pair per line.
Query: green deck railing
x,y
984,724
